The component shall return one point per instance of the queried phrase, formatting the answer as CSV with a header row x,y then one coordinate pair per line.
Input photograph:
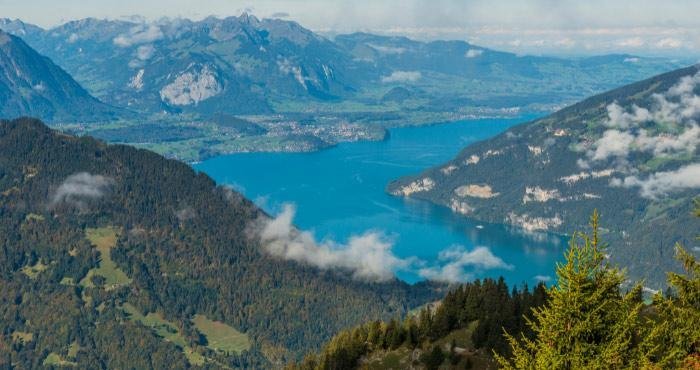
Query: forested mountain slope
x,y
114,257
632,153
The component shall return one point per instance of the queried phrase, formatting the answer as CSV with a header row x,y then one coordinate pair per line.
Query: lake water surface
x,y
339,192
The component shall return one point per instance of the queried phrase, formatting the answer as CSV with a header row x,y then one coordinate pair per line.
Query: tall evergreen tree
x,y
675,340
587,323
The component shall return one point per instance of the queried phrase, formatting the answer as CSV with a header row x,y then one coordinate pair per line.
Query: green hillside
x,y
632,153
138,261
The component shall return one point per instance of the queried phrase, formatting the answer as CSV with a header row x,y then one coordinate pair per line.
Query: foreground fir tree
x,y
588,323
675,339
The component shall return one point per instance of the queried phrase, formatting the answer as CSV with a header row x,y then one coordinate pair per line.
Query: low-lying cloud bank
x,y
455,260
402,76
368,256
473,53
662,183
140,34
677,110
81,187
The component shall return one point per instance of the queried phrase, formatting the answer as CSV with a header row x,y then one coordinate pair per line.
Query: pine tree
x,y
675,340
587,323
411,331
425,322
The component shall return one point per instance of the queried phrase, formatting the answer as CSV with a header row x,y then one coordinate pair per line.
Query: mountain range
x,y
244,65
32,85
116,257
303,91
631,153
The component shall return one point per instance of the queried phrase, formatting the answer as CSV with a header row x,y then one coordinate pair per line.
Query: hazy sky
x,y
526,26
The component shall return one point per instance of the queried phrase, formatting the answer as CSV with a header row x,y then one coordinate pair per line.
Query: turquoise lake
x,y
339,192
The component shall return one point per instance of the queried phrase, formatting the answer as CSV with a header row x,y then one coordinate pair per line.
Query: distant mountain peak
x,y
31,84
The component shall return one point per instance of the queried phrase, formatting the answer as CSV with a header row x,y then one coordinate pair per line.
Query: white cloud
x,y
614,143
473,53
402,76
669,43
565,42
81,187
685,86
662,183
368,256
387,49
677,109
686,142
145,52
597,23
618,117
459,264
632,42
542,278
141,34
515,43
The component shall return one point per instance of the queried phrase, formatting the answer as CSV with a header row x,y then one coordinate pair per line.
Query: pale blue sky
x,y
526,26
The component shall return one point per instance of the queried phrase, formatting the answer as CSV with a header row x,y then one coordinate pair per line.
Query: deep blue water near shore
x,y
339,192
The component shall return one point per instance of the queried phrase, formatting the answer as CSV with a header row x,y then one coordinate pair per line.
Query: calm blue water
x,y
339,192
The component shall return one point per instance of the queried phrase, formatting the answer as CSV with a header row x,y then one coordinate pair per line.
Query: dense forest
x,y
487,303
592,318
114,257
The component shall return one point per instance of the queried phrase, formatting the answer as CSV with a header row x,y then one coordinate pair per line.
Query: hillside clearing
x,y
164,329
221,337
104,239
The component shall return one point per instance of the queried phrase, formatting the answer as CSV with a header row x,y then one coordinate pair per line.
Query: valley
x,y
299,90
339,185
339,194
